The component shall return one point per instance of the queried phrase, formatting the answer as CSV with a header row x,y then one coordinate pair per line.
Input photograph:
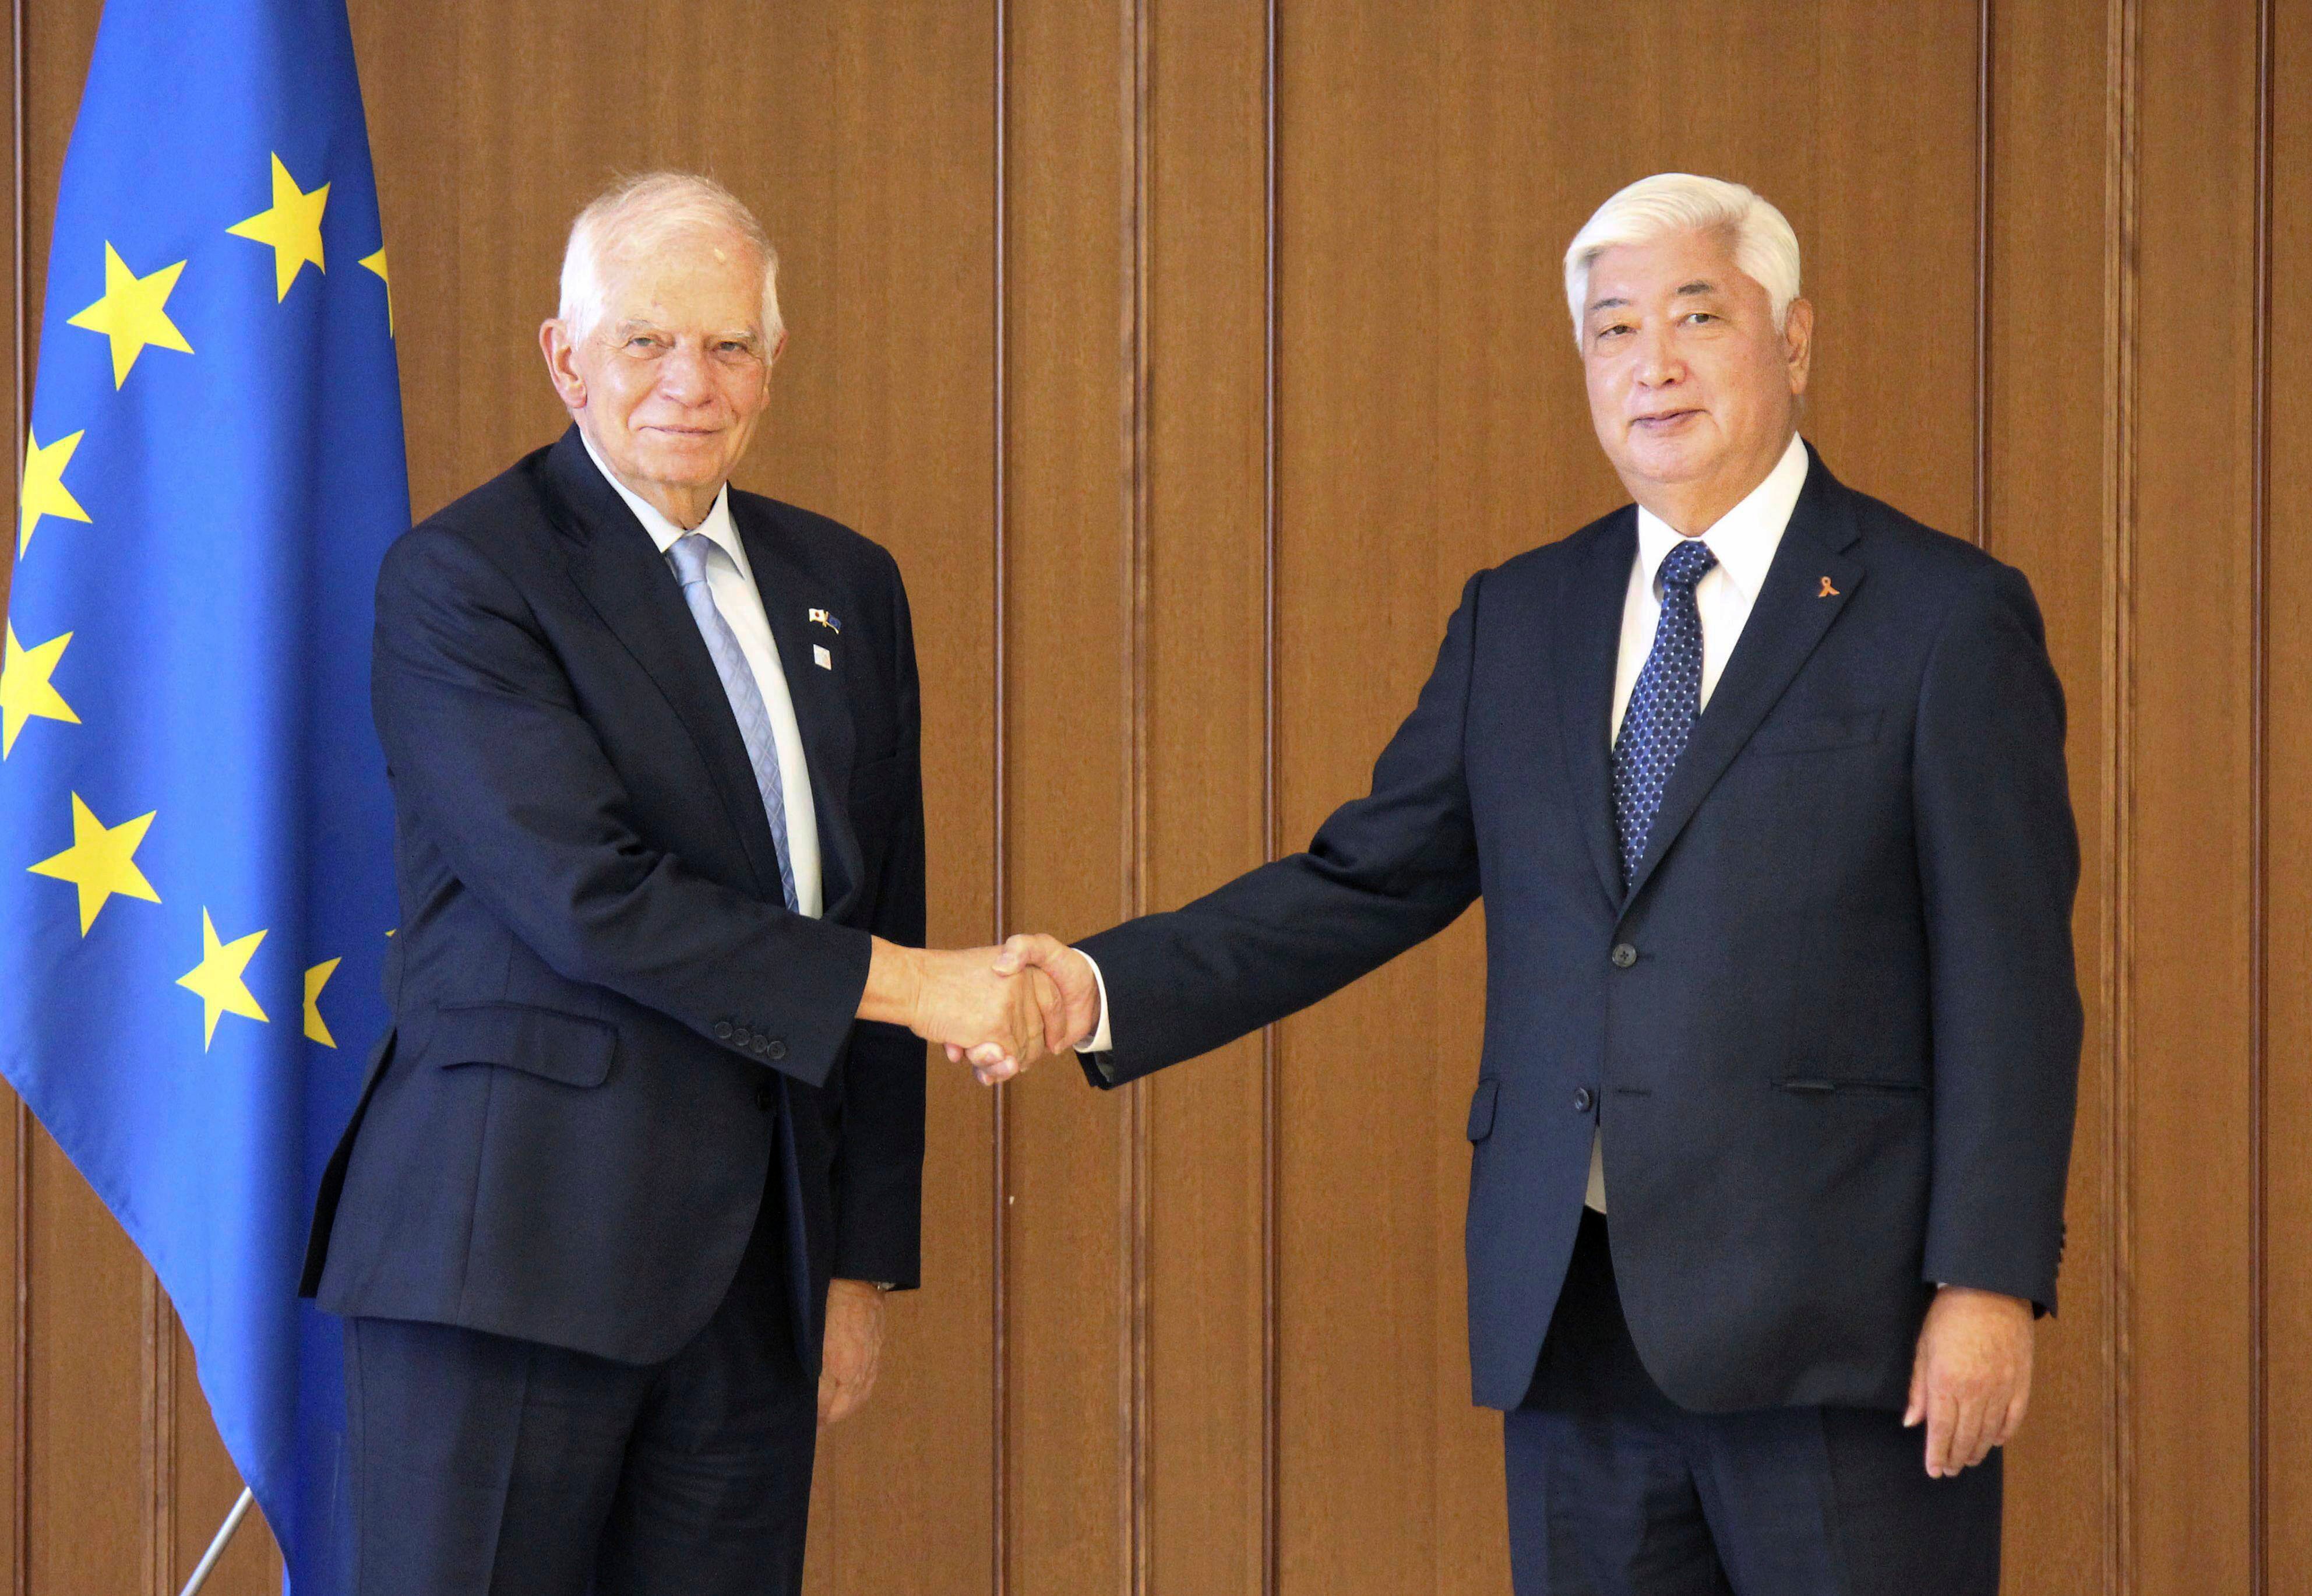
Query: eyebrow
x,y
1686,289
627,329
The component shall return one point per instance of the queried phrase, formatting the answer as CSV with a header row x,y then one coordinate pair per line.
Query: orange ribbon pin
x,y
1829,591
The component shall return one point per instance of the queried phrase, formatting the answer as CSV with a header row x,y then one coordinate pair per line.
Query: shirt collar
x,y
1745,537
718,528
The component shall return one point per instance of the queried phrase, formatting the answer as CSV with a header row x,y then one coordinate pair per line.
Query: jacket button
x,y
1582,1100
762,1046
1624,955
765,1098
722,1031
742,1038
777,1049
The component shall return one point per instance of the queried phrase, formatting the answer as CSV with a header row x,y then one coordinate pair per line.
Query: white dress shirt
x,y
1745,539
732,583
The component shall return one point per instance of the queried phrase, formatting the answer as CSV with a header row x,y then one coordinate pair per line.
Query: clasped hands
x,y
1002,1009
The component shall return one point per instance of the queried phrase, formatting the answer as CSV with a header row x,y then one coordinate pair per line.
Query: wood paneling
x,y
1204,712
2286,745
2051,228
1072,1208
1187,435
2190,671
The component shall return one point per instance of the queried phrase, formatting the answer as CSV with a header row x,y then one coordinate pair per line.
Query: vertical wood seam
x,y
19,1350
999,1168
2123,25
2259,826
1983,170
1133,1441
1271,1491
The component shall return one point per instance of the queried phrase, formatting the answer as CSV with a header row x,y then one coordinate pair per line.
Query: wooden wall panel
x,y
1073,1205
910,458
2286,745
2192,851
1207,1335
2050,509
1205,240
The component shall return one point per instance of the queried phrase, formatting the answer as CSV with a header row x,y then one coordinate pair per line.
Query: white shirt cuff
x,y
1101,1041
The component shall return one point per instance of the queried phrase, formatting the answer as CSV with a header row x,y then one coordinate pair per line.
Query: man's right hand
x,y
961,1000
1077,1016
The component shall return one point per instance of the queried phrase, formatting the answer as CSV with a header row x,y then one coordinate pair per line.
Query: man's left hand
x,y
1972,1379
854,1350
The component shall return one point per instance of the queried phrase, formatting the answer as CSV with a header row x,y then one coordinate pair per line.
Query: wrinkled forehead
x,y
692,277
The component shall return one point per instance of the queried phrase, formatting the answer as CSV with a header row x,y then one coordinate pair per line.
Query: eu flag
x,y
195,832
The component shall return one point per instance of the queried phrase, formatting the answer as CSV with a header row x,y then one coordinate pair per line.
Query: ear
x,y
1798,345
554,341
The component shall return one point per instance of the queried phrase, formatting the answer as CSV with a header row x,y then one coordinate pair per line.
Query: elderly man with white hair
x,y
1761,782
612,1224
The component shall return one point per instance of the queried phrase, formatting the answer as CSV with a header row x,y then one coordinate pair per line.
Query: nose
x,y
682,375
1659,364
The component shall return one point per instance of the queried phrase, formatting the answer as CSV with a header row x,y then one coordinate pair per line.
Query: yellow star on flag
x,y
315,979
25,689
293,227
217,977
45,493
134,313
376,263
100,862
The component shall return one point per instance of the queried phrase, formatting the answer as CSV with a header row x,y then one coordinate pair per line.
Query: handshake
x,y
999,1008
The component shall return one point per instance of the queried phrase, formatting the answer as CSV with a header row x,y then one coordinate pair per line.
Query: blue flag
x,y
196,881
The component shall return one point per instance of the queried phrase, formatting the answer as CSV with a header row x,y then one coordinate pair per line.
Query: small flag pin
x,y
821,618
1829,591
821,658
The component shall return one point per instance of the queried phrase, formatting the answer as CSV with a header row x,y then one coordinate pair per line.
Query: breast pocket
x,y
570,1048
1811,735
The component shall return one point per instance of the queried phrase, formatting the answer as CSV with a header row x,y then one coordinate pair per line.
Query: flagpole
x,y
216,1547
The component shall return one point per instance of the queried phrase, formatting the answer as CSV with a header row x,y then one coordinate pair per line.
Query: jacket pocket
x,y
1481,1108
1817,732
553,1046
1826,1085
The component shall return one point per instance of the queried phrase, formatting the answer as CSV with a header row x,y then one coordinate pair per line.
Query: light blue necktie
x,y
1664,703
745,695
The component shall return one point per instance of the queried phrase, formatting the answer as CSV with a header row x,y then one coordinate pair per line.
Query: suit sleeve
x,y
490,753
878,1173
1999,864
1385,872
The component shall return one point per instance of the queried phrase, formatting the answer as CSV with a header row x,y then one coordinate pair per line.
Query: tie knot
x,y
1688,563
689,553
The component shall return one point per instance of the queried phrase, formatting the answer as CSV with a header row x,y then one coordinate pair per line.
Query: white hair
x,y
1766,249
636,216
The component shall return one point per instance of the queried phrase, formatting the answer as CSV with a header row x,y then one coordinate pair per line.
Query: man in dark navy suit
x,y
648,1134
1763,784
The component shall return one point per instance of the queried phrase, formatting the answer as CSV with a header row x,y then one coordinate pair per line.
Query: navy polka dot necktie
x,y
1663,703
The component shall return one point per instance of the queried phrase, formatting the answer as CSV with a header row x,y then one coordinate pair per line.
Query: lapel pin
x,y
1829,591
822,618
821,658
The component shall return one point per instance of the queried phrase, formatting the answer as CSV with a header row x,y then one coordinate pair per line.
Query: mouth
x,y
1662,421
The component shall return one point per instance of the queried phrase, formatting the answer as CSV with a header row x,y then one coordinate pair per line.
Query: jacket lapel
x,y
1795,608
1588,645
628,583
820,697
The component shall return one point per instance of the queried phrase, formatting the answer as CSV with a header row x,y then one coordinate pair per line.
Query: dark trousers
x,y
1614,1490
483,1464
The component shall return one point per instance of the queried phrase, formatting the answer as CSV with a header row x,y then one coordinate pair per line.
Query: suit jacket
x,y
1831,1028
607,1023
